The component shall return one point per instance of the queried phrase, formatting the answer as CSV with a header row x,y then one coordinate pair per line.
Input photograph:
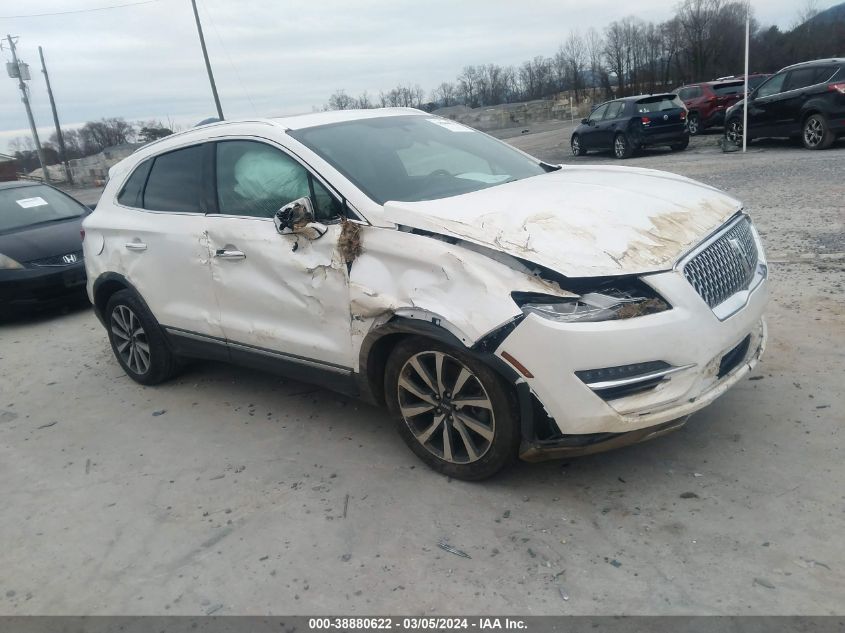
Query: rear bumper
x,y
662,138
41,286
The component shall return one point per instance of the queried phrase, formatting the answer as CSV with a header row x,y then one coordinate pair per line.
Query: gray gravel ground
x,y
230,491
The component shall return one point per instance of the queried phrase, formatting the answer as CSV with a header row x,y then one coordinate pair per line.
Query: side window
x,y
695,92
256,180
801,78
683,94
773,86
598,113
132,191
614,110
175,181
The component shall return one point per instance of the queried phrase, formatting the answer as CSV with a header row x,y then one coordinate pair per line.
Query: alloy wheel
x,y
734,132
576,146
446,407
620,146
813,132
692,125
130,339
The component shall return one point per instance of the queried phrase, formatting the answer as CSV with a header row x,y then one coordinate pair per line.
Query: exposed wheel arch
x,y
106,285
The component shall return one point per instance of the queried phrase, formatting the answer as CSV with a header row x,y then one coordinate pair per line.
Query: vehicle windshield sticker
x,y
26,203
452,126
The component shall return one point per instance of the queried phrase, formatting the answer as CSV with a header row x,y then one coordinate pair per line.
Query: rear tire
x,y
575,144
622,147
429,387
693,124
678,147
816,133
137,340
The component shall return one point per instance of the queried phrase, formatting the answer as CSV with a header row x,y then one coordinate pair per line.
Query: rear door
x,y
159,239
282,297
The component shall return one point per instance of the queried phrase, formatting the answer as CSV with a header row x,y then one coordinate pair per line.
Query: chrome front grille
x,y
725,266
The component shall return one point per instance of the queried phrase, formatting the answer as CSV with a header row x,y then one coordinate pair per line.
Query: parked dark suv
x,y
806,100
706,102
628,124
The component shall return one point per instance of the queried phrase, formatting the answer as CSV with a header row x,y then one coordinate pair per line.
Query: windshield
x,y
413,158
24,206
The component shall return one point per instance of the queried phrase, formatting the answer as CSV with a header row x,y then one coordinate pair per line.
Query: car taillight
x,y
82,234
683,115
838,87
646,120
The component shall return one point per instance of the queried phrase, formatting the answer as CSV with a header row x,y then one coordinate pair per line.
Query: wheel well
x,y
808,114
377,363
104,291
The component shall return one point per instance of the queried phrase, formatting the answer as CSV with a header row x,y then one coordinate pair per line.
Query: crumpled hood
x,y
581,221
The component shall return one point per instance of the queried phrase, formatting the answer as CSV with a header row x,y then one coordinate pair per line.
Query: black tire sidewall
x,y
827,135
505,445
162,363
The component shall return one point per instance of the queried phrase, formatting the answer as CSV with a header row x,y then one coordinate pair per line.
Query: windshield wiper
x,y
549,167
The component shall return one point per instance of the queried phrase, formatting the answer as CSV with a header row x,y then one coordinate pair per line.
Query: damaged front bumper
x,y
597,386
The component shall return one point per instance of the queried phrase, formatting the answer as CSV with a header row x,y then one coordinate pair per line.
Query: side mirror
x,y
298,217
585,121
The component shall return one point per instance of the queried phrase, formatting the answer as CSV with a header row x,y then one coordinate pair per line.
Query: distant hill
x,y
836,13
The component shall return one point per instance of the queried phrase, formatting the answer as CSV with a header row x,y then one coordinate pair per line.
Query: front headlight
x,y
7,263
631,298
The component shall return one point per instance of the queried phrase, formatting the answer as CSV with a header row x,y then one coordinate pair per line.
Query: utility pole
x,y
25,99
59,137
207,63
745,85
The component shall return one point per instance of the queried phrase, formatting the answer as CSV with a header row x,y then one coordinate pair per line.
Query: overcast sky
x,y
274,57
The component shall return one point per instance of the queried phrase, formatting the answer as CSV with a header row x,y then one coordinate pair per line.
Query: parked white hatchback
x,y
498,305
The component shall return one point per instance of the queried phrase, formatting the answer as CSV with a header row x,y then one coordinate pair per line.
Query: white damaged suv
x,y
498,305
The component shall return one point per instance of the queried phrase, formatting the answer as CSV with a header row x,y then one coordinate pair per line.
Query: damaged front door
x,y
283,296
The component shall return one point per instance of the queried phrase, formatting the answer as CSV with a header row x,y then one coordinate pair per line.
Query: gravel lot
x,y
230,492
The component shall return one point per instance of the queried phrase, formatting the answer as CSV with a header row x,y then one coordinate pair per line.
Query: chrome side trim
x,y
623,382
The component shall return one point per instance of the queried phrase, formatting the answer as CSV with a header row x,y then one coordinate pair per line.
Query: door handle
x,y
226,253
136,246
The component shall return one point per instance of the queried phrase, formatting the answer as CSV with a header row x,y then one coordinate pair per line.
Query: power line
x,y
42,15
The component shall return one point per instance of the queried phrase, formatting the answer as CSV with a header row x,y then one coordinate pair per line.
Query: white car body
x,y
450,265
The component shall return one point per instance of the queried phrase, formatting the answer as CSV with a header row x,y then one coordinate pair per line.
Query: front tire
x,y
137,340
575,144
452,410
622,147
734,132
816,134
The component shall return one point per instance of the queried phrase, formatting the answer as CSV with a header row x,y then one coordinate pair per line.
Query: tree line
x,y
87,140
703,40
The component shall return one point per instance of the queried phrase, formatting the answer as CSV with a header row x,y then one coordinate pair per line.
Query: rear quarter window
x,y
133,189
175,181
735,87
